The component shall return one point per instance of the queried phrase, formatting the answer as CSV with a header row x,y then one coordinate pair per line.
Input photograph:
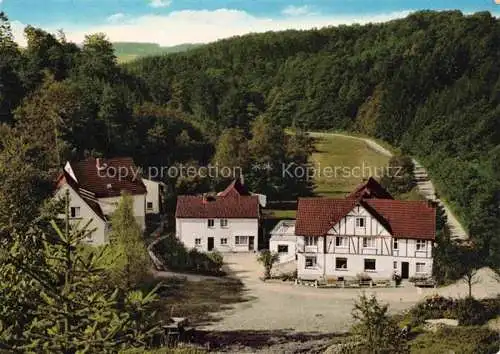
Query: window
x,y
369,242
223,222
395,265
197,241
420,245
341,241
282,248
420,268
211,223
340,263
149,205
223,241
360,222
75,212
311,241
395,243
311,262
369,264
241,240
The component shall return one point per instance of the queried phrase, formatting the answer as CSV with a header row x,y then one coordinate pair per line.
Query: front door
x,y
405,270
251,241
210,243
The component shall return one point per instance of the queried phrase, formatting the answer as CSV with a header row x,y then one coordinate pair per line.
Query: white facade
x,y
153,196
283,241
223,235
109,205
359,244
80,215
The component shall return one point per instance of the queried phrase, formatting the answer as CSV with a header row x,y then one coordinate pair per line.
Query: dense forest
x,y
428,84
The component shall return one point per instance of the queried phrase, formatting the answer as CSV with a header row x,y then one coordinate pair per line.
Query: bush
x,y
432,307
467,311
470,312
465,340
176,257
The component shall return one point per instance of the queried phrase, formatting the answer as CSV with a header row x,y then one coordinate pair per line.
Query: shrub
x,y
457,340
433,307
470,312
375,330
176,257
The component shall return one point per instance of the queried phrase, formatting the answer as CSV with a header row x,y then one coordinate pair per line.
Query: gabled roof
x,y
235,188
102,177
370,189
316,216
87,197
402,219
229,207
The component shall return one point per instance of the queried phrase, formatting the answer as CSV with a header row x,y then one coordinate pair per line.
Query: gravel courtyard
x,y
289,307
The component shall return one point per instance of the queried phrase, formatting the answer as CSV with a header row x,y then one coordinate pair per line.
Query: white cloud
x,y
160,3
190,26
116,17
296,10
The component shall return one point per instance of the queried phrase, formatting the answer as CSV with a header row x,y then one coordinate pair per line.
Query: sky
x,y
171,22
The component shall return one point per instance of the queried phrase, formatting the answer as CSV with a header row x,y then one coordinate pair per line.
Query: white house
x,y
284,241
227,222
96,186
341,238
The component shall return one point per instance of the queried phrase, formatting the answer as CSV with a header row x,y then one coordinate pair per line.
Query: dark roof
x,y
229,207
87,197
107,181
402,219
370,189
235,188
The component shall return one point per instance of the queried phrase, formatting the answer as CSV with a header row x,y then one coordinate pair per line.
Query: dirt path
x,y
284,306
424,184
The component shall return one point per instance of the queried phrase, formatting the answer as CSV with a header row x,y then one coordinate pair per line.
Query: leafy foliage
x,y
176,257
70,309
131,262
375,330
268,259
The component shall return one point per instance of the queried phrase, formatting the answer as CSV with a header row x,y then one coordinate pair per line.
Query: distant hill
x,y
127,51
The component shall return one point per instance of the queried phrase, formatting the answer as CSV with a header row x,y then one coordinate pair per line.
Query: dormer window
x,y
360,222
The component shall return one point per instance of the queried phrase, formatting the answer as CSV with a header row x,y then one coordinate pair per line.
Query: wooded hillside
x,y
428,83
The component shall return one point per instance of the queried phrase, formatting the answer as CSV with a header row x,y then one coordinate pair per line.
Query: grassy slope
x,y
343,155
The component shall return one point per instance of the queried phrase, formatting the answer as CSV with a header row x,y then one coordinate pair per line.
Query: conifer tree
x,y
132,262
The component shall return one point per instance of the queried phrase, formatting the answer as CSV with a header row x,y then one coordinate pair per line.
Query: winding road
x,y
424,184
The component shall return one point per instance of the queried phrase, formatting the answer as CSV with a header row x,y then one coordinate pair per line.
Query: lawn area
x,y
279,214
351,160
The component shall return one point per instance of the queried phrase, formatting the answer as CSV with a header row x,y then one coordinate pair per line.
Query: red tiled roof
x,y
229,207
407,219
235,188
403,219
107,182
316,216
370,189
65,178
